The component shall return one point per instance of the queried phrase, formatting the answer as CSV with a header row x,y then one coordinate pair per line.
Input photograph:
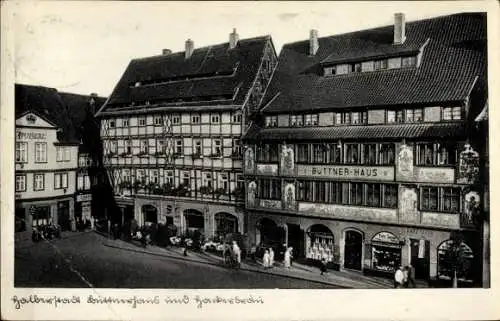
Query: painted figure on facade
x,y
287,161
471,208
252,187
290,196
408,204
405,160
468,169
249,160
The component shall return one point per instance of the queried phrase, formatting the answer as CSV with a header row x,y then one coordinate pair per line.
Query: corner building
x,y
361,153
172,129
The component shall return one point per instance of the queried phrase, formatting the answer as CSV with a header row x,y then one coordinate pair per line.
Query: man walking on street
x,y
399,278
411,276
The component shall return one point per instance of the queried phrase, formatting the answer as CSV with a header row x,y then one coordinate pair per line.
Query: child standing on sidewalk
x,y
323,266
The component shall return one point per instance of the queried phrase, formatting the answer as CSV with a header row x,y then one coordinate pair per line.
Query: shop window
x,y
320,244
21,152
267,153
302,153
269,189
447,253
20,183
386,252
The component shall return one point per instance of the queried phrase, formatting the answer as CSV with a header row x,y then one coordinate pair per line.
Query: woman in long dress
x,y
265,259
288,257
271,257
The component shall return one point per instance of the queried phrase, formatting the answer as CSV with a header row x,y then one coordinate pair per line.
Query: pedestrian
x,y
265,259
271,257
405,276
399,278
411,276
92,223
253,251
323,266
237,252
185,247
288,258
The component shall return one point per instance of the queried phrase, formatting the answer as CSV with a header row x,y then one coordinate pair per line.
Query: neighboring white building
x,y
46,159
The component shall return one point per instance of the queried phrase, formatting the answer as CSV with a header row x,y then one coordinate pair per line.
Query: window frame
x,y
141,121
155,120
21,152
35,176
44,150
18,176
60,185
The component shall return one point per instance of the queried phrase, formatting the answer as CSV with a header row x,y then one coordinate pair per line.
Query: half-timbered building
x,y
171,131
362,153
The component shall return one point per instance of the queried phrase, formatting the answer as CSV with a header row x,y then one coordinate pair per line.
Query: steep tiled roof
x,y
454,55
214,75
396,131
82,112
47,102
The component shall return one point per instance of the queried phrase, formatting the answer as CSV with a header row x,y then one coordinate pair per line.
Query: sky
x,y
84,46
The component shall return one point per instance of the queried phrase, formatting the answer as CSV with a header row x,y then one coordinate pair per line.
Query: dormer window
x,y
409,61
380,64
330,71
271,121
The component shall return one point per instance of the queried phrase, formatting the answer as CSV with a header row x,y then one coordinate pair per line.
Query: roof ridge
x,y
349,33
208,47
36,86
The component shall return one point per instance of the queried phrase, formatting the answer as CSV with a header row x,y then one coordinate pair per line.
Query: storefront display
x,y
321,246
386,252
461,257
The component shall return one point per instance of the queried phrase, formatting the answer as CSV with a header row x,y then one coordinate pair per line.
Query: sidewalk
x,y
344,279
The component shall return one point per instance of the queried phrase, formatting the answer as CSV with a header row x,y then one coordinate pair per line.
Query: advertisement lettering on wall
x,y
347,172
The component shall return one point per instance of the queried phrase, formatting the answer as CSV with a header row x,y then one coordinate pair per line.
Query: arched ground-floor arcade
x,y
366,247
210,219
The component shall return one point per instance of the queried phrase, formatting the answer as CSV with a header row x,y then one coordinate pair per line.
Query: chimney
x,y
189,48
233,39
92,102
166,52
399,28
313,42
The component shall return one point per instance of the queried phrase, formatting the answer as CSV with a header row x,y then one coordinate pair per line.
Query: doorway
x,y
420,258
353,250
296,240
63,215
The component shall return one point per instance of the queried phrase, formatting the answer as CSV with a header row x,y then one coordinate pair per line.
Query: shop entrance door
x,y
353,250
296,240
420,258
63,215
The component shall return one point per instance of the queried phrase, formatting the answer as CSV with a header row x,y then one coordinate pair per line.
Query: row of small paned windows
x,y
440,199
381,64
63,154
83,182
349,153
405,116
351,118
433,154
304,120
269,189
161,147
361,194
452,113
38,182
22,152
271,121
267,153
